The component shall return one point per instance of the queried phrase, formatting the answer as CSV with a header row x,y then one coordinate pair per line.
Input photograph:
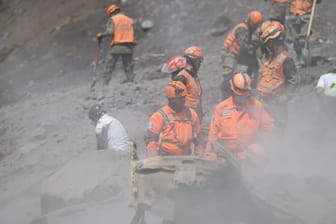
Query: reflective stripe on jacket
x,y
123,30
301,7
237,128
175,130
273,78
231,42
194,91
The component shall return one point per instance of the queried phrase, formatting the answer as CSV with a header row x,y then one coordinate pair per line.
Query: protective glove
x,y
99,36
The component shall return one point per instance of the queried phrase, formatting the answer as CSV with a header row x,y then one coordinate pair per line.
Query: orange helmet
x,y
194,52
274,23
241,84
175,89
111,9
270,33
174,64
255,18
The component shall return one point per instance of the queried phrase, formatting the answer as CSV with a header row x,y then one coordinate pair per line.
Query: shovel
x,y
306,50
94,66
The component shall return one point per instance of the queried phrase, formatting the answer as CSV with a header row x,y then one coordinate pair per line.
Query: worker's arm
x,y
152,135
243,39
320,87
214,129
198,143
101,136
108,31
179,77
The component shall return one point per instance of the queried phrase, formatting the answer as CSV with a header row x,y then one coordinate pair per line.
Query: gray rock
x,y
93,176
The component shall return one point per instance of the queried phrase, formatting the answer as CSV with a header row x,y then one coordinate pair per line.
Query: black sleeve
x,y
181,78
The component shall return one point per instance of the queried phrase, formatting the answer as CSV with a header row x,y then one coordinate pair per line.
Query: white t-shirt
x,y
328,83
117,137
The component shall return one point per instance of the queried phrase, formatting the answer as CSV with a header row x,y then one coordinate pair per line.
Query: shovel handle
x,y
311,19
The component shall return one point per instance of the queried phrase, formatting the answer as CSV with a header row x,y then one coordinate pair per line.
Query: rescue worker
x,y
279,78
120,29
240,121
326,91
298,21
188,76
110,133
240,49
261,51
278,10
174,65
174,128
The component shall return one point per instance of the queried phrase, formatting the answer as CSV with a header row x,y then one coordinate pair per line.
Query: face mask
x,y
177,104
240,100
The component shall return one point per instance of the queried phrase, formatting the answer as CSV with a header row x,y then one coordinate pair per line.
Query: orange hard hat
x,y
241,84
274,23
174,64
194,52
111,9
270,33
175,89
255,18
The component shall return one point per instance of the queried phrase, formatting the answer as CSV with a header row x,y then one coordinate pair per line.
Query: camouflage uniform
x,y
230,61
278,11
125,51
298,26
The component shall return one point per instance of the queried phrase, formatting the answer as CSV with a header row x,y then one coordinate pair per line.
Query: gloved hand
x,y
281,99
99,36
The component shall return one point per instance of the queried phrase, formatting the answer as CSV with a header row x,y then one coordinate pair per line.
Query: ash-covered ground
x,y
46,49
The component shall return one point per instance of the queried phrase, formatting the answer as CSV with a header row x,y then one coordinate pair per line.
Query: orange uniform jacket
x,y
194,90
301,7
123,30
231,42
273,79
236,128
175,131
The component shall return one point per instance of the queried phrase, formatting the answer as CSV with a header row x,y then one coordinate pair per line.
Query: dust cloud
x,y
44,89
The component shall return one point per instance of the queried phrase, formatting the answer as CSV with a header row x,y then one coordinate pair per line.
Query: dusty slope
x,y
46,79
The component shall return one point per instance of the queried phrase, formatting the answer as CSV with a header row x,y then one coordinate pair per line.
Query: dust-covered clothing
x,y
238,49
328,83
111,134
194,90
298,22
121,30
278,11
237,127
298,27
111,61
327,105
171,133
230,62
277,85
